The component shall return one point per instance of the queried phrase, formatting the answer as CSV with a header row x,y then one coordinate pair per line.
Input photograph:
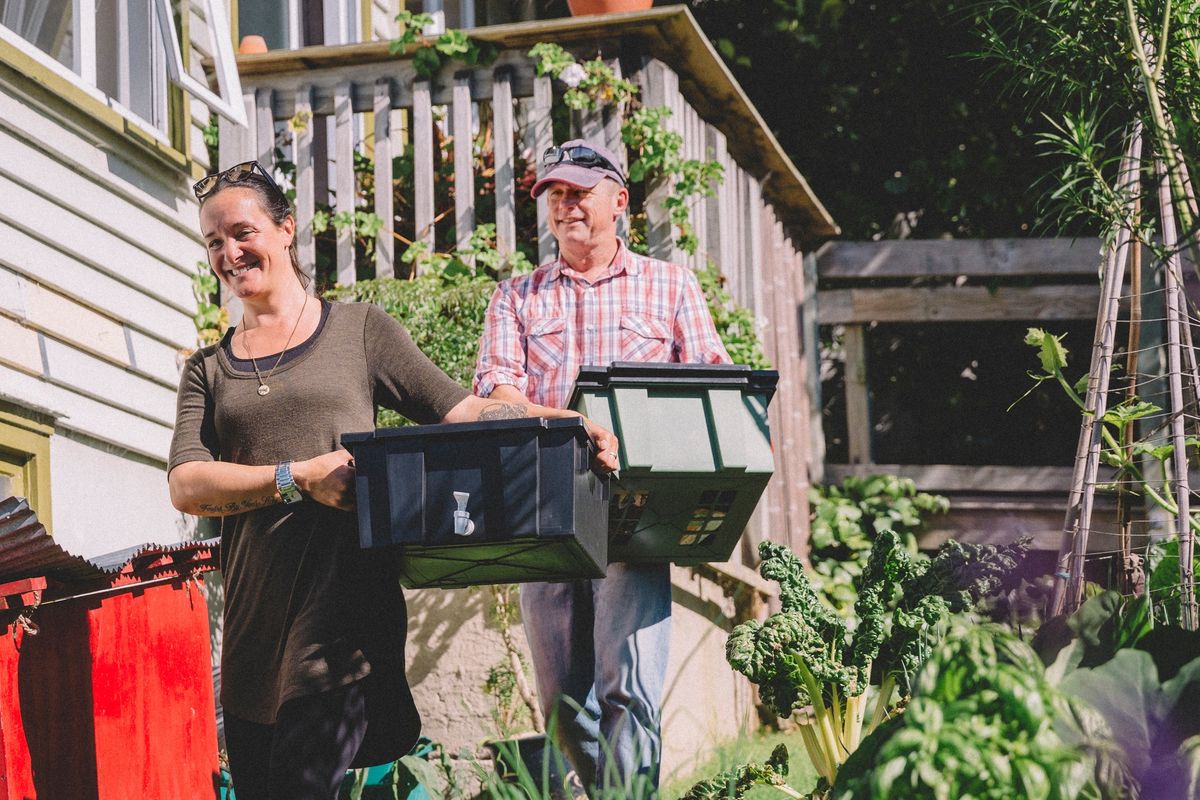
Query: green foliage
x,y
1111,64
429,53
844,521
882,114
804,656
590,85
981,724
736,325
1163,580
659,155
211,319
733,784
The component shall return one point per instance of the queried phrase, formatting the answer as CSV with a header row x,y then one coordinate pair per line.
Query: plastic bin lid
x,y
463,429
633,373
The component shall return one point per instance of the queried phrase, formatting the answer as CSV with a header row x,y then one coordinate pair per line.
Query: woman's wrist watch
x,y
286,484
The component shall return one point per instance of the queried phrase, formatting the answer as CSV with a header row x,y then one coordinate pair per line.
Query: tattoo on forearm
x,y
249,504
504,411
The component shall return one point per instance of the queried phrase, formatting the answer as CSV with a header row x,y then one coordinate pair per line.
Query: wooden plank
x,y
956,304
306,246
959,478
858,407
464,160
543,137
714,241
754,251
423,176
264,125
385,243
504,158
810,337
344,159
917,258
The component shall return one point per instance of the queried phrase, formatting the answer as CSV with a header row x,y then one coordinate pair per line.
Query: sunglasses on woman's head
x,y
235,174
582,155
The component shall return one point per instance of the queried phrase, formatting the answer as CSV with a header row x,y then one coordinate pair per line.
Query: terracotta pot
x,y
252,43
581,8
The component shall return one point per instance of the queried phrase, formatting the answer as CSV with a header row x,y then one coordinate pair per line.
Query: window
x,y
124,52
25,461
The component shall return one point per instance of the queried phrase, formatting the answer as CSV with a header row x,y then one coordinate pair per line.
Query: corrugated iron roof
x,y
27,550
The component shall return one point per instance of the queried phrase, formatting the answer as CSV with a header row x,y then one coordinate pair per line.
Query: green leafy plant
x,y
736,325
590,85
804,657
1137,686
210,318
844,521
733,784
1115,426
659,155
429,53
981,723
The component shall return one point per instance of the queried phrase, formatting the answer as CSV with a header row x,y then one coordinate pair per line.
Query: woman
x,y
313,647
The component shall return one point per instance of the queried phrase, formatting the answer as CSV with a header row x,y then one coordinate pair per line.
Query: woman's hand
x,y
606,446
328,479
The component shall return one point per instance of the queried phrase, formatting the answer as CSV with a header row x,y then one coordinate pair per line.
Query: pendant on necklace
x,y
263,389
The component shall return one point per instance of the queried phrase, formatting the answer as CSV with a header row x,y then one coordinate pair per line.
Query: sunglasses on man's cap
x,y
582,155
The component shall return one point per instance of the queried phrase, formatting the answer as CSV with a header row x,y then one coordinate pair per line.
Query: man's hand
x,y
328,479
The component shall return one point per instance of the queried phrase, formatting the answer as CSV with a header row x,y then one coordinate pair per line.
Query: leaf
x,y
1126,413
1050,350
1126,691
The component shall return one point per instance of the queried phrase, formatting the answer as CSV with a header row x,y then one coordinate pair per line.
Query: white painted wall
x,y
97,249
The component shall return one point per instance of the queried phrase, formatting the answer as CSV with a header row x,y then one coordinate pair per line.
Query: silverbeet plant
x,y
806,662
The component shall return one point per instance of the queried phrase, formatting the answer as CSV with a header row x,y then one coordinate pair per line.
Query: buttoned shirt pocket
x,y
645,338
545,344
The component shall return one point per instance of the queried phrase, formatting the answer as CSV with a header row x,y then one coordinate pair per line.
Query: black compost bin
x,y
476,503
695,455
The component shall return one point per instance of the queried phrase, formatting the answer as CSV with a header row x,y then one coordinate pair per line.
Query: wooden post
x,y
543,137
423,177
385,242
504,157
464,160
344,159
264,124
306,246
858,406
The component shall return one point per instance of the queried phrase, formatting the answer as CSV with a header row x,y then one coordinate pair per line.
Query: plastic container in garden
x,y
469,504
695,455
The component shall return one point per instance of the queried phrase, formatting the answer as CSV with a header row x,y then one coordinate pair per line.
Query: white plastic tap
x,y
463,525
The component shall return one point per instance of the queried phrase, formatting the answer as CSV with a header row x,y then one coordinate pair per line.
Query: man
x,y
599,647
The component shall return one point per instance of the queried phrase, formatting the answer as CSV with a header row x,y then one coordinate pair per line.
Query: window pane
x,y
268,20
46,25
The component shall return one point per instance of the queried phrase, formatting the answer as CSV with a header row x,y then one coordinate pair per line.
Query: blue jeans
x,y
600,656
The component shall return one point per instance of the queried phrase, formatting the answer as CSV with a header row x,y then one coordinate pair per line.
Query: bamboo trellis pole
x,y
1068,573
1179,459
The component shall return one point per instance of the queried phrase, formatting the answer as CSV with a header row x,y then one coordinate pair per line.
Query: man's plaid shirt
x,y
542,327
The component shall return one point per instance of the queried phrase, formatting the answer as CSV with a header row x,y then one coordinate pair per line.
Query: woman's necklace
x,y
263,389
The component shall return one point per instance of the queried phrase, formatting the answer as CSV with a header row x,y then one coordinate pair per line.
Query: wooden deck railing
x,y
755,228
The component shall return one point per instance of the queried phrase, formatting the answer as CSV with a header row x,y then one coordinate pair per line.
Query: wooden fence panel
x,y
464,160
385,243
423,175
504,159
543,137
306,245
344,163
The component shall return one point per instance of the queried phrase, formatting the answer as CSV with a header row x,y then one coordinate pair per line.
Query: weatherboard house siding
x,y
97,252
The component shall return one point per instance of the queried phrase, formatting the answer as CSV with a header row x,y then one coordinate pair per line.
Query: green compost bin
x,y
470,504
695,455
